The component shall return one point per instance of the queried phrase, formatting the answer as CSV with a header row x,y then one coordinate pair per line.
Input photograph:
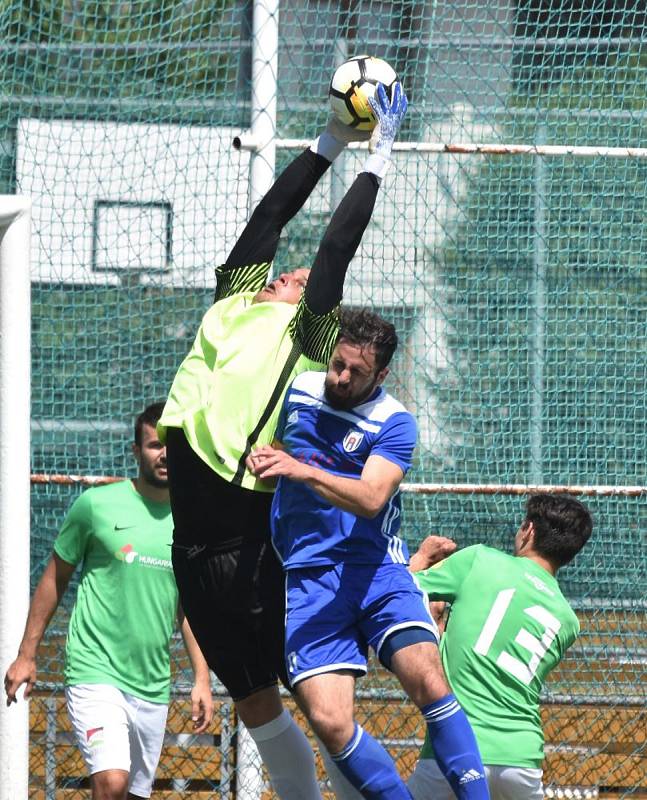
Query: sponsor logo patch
x,y
94,737
469,776
539,584
126,553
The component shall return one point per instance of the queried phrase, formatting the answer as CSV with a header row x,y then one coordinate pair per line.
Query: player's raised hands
x,y
389,116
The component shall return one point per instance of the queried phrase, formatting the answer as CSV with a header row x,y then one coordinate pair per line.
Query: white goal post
x,y
15,354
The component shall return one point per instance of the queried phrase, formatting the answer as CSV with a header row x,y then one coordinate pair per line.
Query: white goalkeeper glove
x,y
389,116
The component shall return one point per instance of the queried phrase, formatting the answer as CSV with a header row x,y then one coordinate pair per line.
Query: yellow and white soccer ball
x,y
353,83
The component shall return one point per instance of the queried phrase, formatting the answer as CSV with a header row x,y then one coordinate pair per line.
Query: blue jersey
x,y
306,529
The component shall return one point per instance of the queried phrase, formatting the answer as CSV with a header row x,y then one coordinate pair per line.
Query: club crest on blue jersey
x,y
293,417
352,441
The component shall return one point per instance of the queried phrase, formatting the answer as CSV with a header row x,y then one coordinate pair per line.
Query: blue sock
x,y
370,769
455,748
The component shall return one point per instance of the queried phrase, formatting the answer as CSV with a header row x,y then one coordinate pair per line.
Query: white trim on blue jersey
x,y
297,397
306,529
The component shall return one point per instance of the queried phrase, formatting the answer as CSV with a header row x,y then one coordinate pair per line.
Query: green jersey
x,y
509,625
126,603
227,393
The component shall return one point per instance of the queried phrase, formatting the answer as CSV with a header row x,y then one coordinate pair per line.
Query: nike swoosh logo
x,y
123,527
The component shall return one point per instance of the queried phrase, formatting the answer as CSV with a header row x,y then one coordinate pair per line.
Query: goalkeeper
x,y
225,400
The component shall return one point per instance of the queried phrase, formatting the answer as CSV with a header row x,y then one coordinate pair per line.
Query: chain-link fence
x,y
517,285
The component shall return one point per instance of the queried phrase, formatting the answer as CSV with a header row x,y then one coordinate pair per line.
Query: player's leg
x,y
327,699
272,583
405,638
427,780
324,655
419,669
221,597
342,788
100,722
147,723
283,746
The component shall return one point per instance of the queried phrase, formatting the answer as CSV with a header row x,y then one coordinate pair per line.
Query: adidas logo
x,y
469,776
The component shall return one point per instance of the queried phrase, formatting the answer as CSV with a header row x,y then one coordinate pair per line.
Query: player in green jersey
x,y
225,400
509,626
117,663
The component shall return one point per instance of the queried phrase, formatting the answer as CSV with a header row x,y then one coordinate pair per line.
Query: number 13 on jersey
x,y
536,647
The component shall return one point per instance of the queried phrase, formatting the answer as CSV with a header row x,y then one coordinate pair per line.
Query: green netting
x,y
518,284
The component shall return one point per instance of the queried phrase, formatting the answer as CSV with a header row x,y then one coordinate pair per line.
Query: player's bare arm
x,y
365,497
437,610
47,596
201,697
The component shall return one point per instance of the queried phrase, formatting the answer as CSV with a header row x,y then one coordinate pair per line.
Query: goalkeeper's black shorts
x,y
230,581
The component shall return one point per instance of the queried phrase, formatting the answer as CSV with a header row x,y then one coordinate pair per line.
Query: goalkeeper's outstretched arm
x,y
339,244
346,228
258,242
248,263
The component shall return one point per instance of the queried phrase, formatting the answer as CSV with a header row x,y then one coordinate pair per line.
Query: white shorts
x,y
118,731
505,783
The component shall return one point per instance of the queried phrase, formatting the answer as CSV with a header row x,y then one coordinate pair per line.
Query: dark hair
x,y
363,327
149,416
562,526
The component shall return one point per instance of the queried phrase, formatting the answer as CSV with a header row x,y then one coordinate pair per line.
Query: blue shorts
x,y
334,613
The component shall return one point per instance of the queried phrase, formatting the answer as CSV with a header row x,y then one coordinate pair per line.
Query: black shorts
x,y
229,578
235,604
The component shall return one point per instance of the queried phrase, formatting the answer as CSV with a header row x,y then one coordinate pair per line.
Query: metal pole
x,y
538,305
265,56
473,148
598,490
337,170
15,286
249,774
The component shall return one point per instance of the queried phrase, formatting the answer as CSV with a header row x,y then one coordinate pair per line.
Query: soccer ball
x,y
351,86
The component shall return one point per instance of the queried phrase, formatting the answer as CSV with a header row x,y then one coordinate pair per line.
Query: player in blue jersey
x,y
343,447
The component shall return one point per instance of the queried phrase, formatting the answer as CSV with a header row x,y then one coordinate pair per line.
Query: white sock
x,y
289,759
340,785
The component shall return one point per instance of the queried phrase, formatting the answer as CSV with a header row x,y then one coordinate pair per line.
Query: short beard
x,y
347,403
148,476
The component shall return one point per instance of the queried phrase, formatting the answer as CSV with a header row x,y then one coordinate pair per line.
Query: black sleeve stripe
x,y
233,280
316,333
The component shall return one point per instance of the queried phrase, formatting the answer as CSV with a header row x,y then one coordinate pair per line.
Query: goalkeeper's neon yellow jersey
x,y
509,625
228,391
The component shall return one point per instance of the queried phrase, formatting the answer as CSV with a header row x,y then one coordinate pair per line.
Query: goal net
x,y
517,282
